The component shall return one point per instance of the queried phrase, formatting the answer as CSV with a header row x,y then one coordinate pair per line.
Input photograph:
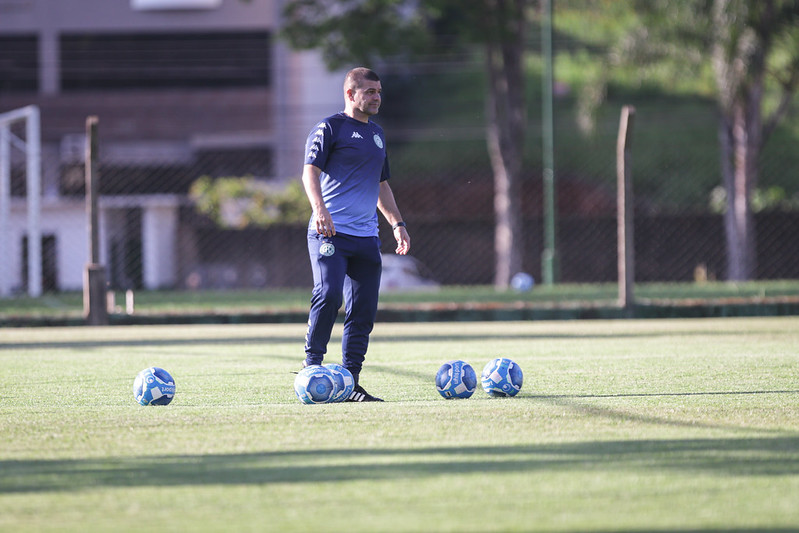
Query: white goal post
x,y
31,146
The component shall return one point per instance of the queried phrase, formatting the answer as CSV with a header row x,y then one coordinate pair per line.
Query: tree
x,y
753,49
745,39
239,202
362,31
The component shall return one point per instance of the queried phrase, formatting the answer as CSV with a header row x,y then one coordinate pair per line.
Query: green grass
x,y
71,303
621,425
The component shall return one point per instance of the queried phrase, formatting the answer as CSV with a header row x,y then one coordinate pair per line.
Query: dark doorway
x,y
49,263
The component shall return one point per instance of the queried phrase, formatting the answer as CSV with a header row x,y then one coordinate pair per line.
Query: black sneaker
x,y
359,394
304,365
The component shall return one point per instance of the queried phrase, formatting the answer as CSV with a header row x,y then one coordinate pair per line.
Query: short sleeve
x,y
317,145
386,172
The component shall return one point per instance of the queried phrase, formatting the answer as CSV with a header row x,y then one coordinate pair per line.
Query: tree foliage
x,y
751,49
746,42
347,31
364,31
239,202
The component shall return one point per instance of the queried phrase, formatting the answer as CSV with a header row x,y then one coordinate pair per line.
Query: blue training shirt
x,y
353,160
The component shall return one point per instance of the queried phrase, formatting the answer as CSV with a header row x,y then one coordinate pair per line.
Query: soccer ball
x,y
154,386
502,377
456,379
344,382
522,282
315,384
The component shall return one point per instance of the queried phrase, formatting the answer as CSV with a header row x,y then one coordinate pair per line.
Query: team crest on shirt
x,y
327,249
378,140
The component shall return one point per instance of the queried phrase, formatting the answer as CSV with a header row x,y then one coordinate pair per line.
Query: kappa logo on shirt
x,y
316,143
356,135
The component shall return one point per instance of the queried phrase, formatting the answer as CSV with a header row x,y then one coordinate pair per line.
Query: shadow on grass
x,y
772,456
461,337
573,403
466,335
154,341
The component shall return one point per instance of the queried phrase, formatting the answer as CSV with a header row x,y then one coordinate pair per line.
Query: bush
x,y
240,202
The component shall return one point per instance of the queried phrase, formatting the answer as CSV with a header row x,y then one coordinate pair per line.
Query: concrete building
x,y
181,88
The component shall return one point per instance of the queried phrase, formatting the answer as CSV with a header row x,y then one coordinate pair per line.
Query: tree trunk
x,y
506,167
506,117
740,147
738,216
741,141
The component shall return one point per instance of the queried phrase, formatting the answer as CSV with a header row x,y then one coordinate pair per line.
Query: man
x,y
345,178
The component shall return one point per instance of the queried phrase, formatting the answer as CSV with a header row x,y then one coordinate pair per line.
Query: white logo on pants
x,y
327,249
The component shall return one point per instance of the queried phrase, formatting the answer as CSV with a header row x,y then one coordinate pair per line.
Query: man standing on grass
x,y
346,179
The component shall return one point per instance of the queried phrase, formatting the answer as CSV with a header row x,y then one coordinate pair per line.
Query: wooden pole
x,y
625,210
95,309
5,210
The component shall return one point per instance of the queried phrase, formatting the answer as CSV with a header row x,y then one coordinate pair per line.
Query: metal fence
x,y
153,235
679,232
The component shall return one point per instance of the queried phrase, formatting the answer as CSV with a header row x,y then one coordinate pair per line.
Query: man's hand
x,y
403,240
324,222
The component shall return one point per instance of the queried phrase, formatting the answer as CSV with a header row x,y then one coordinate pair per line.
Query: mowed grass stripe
x,y
637,425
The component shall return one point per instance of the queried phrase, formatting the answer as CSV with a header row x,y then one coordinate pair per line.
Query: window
x,y
19,64
49,263
14,5
174,60
150,5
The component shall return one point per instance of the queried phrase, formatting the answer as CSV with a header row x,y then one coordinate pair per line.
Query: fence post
x,y
625,210
94,298
5,210
550,267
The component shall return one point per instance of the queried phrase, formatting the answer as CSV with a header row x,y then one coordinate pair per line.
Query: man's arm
x,y
313,189
388,207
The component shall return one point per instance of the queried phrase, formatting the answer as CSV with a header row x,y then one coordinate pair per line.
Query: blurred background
x,y
204,106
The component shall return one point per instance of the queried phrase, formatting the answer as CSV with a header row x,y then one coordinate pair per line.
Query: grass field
x,y
620,426
209,301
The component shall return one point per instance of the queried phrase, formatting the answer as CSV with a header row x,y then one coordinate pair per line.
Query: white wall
x,y
159,243
64,219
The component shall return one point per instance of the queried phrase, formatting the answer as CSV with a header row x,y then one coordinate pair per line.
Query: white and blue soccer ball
x,y
345,383
522,282
315,384
154,386
502,377
456,379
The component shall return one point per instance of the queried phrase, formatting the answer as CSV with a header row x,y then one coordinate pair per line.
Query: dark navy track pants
x,y
350,270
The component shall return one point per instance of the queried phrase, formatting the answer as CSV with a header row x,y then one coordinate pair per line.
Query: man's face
x,y
365,100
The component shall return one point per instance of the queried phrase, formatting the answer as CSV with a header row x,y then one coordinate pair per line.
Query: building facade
x,y
181,89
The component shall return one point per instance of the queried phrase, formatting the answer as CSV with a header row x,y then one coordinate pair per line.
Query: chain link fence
x,y
678,229
159,230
